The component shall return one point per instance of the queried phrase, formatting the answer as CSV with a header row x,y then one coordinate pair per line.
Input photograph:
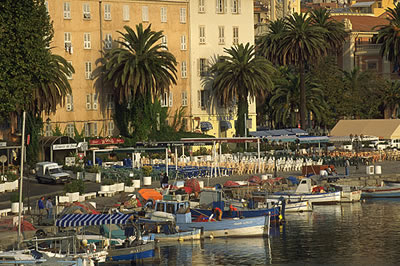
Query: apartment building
x,y
215,25
82,28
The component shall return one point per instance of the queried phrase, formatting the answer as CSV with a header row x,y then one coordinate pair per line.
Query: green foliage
x,y
76,185
11,176
79,136
238,75
57,131
14,197
108,181
147,170
34,127
93,169
25,32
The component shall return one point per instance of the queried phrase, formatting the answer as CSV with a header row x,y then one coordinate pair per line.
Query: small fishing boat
x,y
381,192
348,194
236,227
139,251
20,257
305,191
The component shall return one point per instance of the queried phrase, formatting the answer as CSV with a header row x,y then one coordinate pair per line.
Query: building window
x,y
91,101
203,67
164,42
202,7
110,101
88,70
379,4
221,6
70,103
164,99
91,129
86,41
48,130
110,128
70,130
183,42
70,74
108,41
68,42
235,35
184,99
221,35
182,15
107,12
67,10
163,14
86,11
145,13
202,34
183,69
202,99
235,6
125,13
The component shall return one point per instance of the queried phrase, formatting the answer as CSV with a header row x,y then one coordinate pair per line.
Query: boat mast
x,y
21,171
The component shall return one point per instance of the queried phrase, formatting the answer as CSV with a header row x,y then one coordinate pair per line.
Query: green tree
x,y
25,34
138,71
335,33
269,44
238,75
302,42
390,98
389,36
285,99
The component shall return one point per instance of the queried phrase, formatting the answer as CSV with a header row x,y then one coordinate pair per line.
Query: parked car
x,y
49,172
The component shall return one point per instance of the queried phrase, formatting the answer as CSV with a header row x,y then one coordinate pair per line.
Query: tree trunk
x,y
303,107
243,107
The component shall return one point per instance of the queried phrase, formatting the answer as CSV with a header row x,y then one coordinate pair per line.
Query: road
x,y
32,191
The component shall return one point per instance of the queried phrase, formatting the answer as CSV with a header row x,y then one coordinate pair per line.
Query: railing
x,y
370,46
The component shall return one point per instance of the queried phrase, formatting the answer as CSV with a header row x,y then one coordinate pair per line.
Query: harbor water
x,y
364,233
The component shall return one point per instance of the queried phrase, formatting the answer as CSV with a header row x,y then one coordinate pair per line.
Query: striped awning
x,y
92,219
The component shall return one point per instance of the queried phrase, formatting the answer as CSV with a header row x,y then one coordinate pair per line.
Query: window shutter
x,y
216,6
88,102
198,67
233,6
238,7
225,6
199,98
87,129
94,103
171,99
94,129
72,102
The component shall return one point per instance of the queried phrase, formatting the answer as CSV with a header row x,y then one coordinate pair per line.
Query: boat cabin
x,y
305,186
171,206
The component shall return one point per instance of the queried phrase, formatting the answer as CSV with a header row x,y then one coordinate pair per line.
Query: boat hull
x,y
301,206
132,253
257,226
180,236
350,196
248,213
315,199
381,192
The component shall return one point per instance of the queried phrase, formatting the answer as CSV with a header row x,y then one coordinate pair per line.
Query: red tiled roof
x,y
363,23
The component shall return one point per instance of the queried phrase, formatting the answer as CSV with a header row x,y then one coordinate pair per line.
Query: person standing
x,y
164,182
41,207
49,208
347,167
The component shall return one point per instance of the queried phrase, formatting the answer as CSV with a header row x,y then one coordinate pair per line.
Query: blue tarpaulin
x,y
92,219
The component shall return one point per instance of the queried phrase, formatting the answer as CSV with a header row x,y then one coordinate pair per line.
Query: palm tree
x,y
391,98
335,31
268,44
138,71
141,66
301,43
239,75
53,86
285,97
389,36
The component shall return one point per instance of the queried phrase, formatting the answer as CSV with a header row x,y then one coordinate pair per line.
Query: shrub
x,y
147,170
93,169
107,181
75,186
11,176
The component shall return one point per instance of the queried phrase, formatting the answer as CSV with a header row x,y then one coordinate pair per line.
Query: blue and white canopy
x,y
92,219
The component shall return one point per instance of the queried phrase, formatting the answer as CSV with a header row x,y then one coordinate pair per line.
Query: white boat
x,y
304,192
299,206
19,257
348,194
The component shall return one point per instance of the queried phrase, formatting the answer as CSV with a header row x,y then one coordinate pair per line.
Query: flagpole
x,y
21,171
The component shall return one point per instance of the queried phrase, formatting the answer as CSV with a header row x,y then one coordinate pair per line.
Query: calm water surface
x,y
365,233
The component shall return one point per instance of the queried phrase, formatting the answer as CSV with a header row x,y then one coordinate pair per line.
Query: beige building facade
x,y
215,25
82,28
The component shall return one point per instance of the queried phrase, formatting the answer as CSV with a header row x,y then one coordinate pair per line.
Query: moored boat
x,y
381,192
